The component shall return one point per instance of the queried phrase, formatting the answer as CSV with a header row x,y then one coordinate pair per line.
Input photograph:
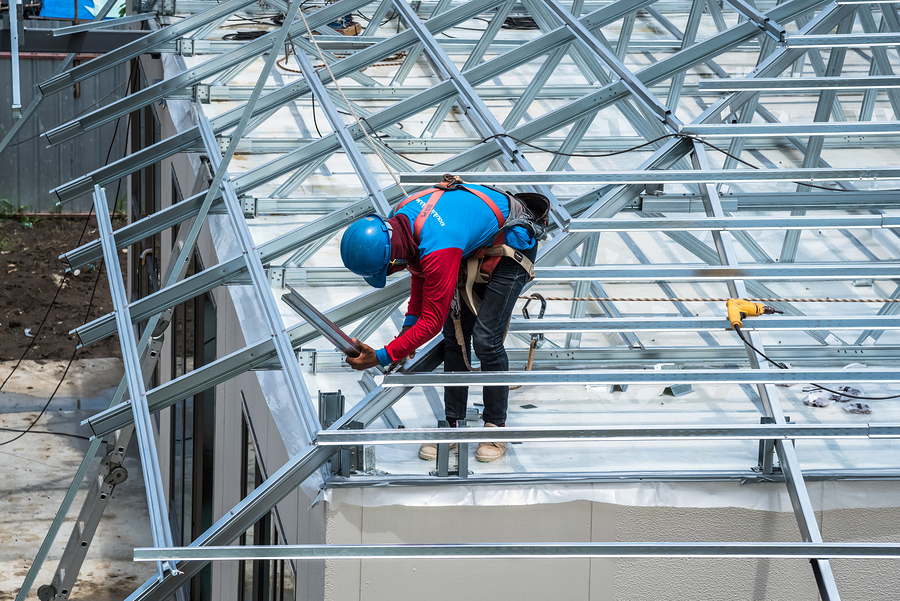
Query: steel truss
x,y
578,81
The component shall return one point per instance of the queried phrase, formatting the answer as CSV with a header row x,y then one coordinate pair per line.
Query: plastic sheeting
x,y
762,497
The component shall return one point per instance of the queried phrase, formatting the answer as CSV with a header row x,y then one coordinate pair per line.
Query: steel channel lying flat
x,y
632,433
556,550
851,128
854,40
703,324
655,377
672,176
794,271
779,85
735,223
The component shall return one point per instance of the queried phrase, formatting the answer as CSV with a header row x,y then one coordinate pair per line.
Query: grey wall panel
x,y
28,169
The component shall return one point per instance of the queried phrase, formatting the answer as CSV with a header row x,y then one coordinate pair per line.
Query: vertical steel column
x,y
143,425
14,15
790,466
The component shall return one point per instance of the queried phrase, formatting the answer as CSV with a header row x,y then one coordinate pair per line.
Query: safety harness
x,y
479,267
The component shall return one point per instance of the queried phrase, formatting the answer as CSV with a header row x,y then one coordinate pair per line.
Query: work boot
x,y
490,451
428,451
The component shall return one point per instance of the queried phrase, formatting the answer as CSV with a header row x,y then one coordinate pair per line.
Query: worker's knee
x,y
486,343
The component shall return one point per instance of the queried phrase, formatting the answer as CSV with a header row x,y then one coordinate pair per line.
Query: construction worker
x,y
432,234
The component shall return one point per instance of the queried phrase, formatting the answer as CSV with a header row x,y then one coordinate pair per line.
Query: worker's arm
x,y
440,270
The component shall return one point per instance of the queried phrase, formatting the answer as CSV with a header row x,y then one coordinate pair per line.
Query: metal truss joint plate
x,y
166,7
249,204
276,277
200,93
185,47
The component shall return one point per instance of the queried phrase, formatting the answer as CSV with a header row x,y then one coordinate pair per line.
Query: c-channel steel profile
x,y
746,130
630,433
646,377
704,324
799,84
328,143
853,40
666,224
156,498
672,176
777,271
558,550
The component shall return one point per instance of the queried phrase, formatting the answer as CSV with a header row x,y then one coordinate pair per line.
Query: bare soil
x,y
30,273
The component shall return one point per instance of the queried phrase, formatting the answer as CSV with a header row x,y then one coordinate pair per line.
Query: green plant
x,y
119,211
10,210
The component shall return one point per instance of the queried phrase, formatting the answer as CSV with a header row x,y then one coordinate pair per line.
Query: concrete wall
x,y
598,579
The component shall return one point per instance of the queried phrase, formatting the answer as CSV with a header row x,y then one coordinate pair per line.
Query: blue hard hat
x,y
366,249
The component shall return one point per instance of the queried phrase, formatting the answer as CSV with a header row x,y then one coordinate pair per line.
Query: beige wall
x,y
598,579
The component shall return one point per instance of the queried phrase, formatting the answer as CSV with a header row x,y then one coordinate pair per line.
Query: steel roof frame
x,y
569,257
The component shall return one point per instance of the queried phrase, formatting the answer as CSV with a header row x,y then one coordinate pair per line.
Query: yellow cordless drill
x,y
739,308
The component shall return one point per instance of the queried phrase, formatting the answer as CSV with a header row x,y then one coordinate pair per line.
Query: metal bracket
x,y
307,359
443,466
674,389
184,46
199,92
331,407
767,450
167,8
276,277
249,203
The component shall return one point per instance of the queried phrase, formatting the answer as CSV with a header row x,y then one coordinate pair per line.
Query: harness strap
x,y
475,274
433,199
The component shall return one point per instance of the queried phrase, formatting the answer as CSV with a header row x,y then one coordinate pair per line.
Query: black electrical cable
x,y
244,36
632,149
22,433
819,386
383,143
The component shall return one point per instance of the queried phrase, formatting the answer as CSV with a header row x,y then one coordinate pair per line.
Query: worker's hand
x,y
367,357
410,356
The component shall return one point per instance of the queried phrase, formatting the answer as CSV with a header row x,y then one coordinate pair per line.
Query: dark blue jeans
x,y
485,333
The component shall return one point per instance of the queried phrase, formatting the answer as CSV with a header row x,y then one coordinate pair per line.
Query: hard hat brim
x,y
378,280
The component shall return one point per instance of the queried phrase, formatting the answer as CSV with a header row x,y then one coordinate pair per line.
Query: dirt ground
x,y
31,273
